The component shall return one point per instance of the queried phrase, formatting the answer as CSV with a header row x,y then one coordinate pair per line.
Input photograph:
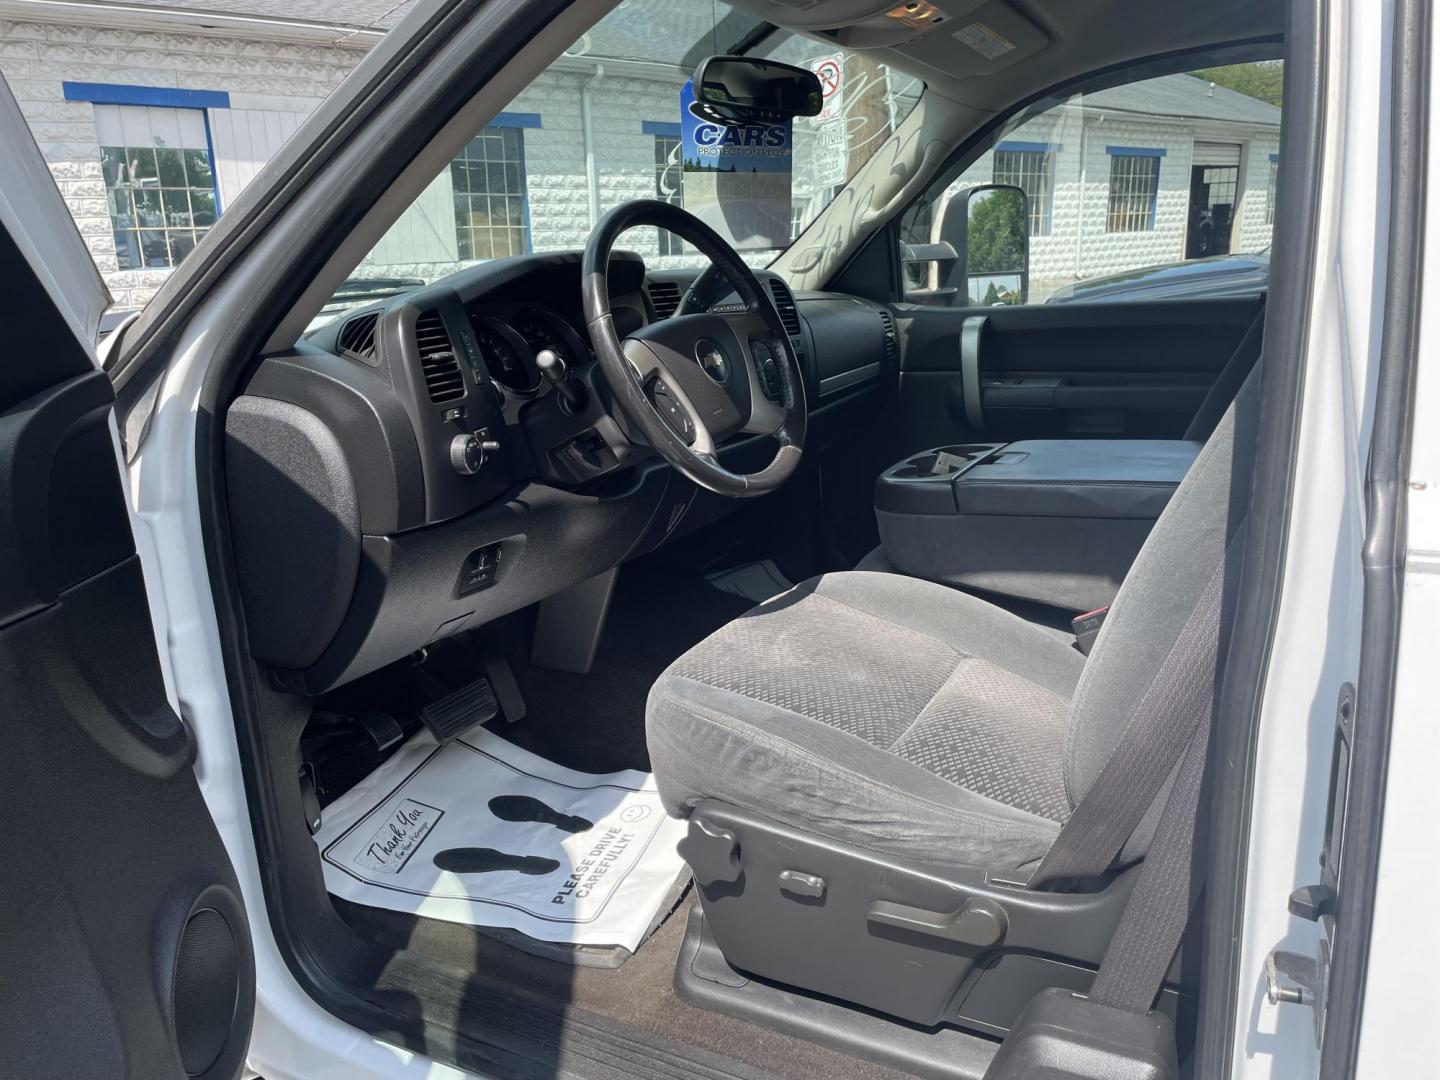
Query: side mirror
x,y
989,228
740,90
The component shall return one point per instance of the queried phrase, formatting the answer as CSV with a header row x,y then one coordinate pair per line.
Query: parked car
x,y
1192,279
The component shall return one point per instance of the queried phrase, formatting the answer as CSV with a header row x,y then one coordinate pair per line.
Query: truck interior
x,y
907,610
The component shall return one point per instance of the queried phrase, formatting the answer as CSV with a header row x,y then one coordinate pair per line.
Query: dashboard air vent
x,y
357,337
665,296
437,359
785,305
890,342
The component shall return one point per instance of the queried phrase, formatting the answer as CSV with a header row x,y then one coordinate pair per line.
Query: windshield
x,y
602,125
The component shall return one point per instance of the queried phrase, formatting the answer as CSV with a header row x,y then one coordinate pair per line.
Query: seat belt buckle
x,y
1086,628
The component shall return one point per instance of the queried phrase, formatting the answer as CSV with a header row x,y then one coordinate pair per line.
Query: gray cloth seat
x,y
911,719
885,711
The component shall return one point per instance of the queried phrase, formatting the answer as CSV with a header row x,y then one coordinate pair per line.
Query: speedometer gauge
x,y
510,362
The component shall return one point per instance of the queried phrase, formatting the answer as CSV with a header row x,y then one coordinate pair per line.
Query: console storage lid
x,y
1058,521
1110,478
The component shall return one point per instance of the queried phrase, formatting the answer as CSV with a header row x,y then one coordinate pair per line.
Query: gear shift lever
x,y
552,368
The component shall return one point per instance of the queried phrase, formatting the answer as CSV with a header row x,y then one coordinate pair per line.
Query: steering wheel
x,y
690,381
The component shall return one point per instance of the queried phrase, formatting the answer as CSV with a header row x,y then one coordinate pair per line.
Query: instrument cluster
x,y
510,336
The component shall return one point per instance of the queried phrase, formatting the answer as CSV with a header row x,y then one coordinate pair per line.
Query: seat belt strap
x,y
1180,699
1154,919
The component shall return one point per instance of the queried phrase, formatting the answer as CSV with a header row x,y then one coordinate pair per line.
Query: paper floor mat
x,y
757,581
482,832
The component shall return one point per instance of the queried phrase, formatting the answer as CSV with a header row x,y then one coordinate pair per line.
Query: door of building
x,y
1214,183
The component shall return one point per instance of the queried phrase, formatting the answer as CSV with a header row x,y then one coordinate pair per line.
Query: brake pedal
x,y
384,730
460,711
504,686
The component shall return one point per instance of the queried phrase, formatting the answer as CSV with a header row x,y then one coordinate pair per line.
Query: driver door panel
x,y
126,947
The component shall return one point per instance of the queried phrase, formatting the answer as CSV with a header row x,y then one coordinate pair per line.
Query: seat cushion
x,y
1044,617
879,710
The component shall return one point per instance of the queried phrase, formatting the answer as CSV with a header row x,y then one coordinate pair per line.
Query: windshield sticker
x,y
737,178
830,70
984,41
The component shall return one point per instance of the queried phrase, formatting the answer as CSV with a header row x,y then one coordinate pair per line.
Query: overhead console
x,y
1059,521
959,38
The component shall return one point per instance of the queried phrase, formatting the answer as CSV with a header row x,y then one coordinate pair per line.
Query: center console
x,y
1054,520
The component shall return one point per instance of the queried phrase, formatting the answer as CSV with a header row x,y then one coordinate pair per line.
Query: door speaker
x,y
206,989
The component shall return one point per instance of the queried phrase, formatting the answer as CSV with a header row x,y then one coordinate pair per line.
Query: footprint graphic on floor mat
x,y
484,860
524,808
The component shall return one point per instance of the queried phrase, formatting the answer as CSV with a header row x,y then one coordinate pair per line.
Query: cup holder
x,y
945,462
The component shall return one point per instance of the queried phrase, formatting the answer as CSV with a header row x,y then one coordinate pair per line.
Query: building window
x,y
161,201
1134,182
1031,169
799,216
669,187
488,177
1270,191
159,181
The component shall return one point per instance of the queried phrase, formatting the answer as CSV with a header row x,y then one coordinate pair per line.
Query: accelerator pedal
x,y
458,712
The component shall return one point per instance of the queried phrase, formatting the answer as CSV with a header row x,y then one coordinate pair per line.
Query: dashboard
x,y
409,471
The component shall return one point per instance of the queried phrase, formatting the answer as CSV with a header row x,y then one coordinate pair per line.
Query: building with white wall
x,y
154,118
1139,175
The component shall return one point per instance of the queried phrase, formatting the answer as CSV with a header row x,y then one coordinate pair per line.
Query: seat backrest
x,y
1163,587
1227,384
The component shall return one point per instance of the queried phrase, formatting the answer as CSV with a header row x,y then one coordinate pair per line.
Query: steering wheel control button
x,y
673,412
712,360
768,371
467,453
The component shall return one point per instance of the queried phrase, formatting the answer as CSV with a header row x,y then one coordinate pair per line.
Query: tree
x,y
1262,80
995,237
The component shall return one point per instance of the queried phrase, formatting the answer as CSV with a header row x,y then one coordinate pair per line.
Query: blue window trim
x,y
1134,151
516,120
158,96
660,127
214,164
1029,147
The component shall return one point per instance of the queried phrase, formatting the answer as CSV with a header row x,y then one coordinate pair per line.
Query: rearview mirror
x,y
989,228
739,90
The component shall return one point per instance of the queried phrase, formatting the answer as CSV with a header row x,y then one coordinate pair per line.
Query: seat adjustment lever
x,y
978,921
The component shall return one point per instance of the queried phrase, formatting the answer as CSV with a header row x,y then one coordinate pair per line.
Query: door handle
x,y
971,331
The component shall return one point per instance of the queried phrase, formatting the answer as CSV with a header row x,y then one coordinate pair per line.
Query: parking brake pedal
x,y
459,711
